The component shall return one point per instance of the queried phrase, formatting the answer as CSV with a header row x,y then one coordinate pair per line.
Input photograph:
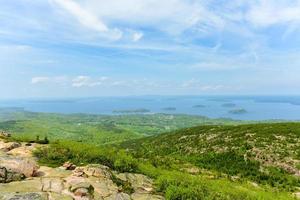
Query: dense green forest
x,y
215,159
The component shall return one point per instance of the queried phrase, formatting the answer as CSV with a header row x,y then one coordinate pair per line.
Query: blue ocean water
x,y
257,107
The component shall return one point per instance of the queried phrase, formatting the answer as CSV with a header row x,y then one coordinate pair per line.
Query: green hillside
x,y
279,142
267,154
210,162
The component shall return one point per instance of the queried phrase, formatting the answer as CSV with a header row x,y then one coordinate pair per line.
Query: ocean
x,y
234,107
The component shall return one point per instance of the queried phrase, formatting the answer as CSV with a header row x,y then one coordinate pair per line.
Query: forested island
x,y
199,106
229,105
132,111
169,108
238,111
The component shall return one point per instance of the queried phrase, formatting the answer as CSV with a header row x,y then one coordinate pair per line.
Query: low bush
x,y
125,162
59,152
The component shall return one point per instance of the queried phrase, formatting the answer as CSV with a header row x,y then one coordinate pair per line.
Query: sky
x,y
80,48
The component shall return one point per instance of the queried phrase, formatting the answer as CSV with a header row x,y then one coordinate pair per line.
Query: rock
x,y
4,134
73,180
103,187
9,146
24,196
7,176
25,166
23,151
55,196
69,166
81,192
82,189
99,171
21,186
52,172
82,185
52,185
79,172
118,196
139,196
139,182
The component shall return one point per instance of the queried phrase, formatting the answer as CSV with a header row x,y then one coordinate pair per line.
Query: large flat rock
x,y
24,196
25,166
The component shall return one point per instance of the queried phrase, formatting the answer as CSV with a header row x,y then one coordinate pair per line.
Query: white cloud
x,y
145,85
212,87
197,85
15,48
40,79
62,80
92,21
88,19
80,81
113,19
137,36
83,16
172,16
271,12
102,19
86,81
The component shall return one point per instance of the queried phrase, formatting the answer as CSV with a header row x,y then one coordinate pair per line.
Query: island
x,y
199,106
229,105
132,111
238,111
169,109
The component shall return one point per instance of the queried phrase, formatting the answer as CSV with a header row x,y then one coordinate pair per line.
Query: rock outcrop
x,y
52,185
69,166
24,196
22,179
139,182
25,166
9,146
7,176
99,171
83,189
5,134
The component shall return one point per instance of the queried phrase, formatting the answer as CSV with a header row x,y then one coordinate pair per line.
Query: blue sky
x,y
67,48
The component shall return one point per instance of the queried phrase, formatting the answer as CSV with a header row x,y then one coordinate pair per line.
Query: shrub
x,y
181,186
125,162
58,153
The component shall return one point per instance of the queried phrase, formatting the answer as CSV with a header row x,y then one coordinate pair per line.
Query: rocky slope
x,y
22,179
